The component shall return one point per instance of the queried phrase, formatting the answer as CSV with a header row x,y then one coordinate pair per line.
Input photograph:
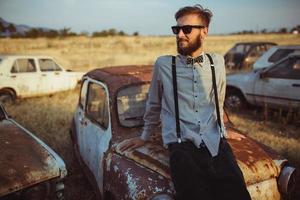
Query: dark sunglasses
x,y
185,29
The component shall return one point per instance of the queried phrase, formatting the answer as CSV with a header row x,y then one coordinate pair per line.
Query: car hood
x,y
240,77
23,160
254,162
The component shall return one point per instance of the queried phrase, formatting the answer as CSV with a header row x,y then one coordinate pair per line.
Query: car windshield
x,y
280,53
131,104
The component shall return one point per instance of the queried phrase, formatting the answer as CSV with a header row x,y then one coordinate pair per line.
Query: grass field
x,y
49,117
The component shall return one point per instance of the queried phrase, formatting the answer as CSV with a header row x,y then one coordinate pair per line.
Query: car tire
x,y
235,100
7,97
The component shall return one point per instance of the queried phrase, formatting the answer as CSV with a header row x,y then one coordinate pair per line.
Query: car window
x,y
131,103
97,105
23,66
268,46
258,51
279,54
288,69
48,65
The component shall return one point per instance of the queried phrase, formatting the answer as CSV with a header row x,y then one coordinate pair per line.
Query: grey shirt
x,y
197,111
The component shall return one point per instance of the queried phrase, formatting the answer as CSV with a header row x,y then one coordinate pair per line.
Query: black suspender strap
x,y
215,89
174,77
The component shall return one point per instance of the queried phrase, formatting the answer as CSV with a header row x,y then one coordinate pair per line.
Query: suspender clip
x,y
179,140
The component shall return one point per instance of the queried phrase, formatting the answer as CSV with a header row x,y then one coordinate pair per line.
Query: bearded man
x,y
201,161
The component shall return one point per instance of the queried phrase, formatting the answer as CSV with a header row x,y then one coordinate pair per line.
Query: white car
x,y
275,54
277,86
26,76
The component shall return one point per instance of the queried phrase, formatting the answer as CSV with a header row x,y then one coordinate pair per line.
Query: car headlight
x,y
287,179
162,197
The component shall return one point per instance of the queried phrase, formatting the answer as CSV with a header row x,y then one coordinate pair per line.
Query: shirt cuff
x,y
145,135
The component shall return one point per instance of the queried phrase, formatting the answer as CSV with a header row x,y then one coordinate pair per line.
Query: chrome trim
x,y
286,179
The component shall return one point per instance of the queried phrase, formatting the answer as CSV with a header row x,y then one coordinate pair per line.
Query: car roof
x,y
287,47
256,43
119,76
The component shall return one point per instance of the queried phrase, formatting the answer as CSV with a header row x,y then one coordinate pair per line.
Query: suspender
x,y
174,77
213,74
176,98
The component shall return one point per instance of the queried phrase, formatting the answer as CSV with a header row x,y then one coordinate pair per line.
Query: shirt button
x,y
196,110
194,67
196,96
195,81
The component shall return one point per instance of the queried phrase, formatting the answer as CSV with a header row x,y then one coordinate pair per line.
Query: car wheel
x,y
6,97
235,100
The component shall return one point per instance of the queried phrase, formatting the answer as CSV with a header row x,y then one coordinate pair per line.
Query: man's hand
x,y
132,143
235,136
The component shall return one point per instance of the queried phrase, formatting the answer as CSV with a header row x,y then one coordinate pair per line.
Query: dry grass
x,y
83,53
49,117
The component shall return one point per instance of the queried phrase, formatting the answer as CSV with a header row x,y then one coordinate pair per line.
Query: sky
x,y
149,17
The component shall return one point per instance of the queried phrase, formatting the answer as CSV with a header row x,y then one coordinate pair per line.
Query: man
x,y
201,161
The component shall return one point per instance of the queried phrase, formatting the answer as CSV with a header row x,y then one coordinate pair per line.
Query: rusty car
x,y
242,55
29,169
33,75
110,110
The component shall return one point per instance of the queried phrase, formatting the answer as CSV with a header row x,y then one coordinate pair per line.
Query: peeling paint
x,y
131,183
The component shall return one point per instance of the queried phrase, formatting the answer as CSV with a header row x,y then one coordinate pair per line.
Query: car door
x,y
53,79
93,126
280,85
24,77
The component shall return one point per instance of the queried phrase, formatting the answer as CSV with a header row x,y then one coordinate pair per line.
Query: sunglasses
x,y
185,29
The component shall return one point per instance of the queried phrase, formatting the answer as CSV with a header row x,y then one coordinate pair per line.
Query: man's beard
x,y
190,48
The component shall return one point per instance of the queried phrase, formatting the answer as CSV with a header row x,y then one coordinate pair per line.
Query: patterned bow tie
x,y
191,60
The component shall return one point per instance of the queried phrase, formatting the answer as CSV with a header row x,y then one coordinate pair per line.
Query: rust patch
x,y
254,162
23,161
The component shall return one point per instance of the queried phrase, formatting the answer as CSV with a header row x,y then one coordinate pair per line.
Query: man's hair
x,y
204,14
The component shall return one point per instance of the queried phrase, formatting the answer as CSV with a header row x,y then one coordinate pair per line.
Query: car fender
x,y
125,179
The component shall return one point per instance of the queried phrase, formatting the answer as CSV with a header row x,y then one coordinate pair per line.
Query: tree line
x,y
295,29
51,33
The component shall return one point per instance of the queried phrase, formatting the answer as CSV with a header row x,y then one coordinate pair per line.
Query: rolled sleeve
x,y
153,104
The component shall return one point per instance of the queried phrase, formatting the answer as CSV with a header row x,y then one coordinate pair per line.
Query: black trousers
x,y
199,176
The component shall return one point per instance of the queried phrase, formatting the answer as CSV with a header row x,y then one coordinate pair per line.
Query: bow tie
x,y
191,60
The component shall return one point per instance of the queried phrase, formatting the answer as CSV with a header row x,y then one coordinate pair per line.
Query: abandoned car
x,y
275,54
29,169
26,76
110,110
277,86
243,55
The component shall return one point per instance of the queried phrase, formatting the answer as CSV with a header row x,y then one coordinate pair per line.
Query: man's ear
x,y
204,33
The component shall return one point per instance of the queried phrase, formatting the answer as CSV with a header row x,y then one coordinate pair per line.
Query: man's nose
x,y
180,34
